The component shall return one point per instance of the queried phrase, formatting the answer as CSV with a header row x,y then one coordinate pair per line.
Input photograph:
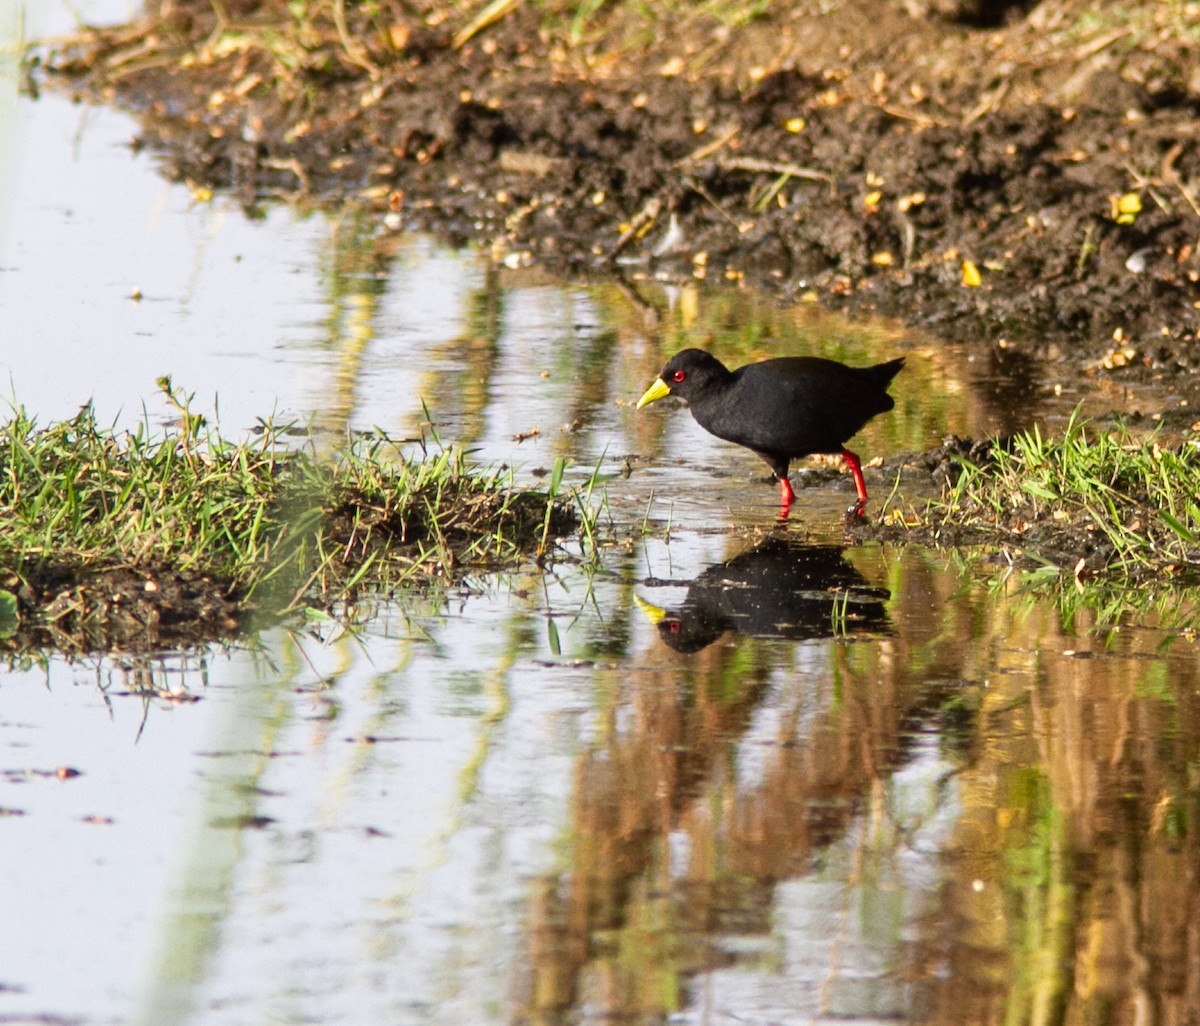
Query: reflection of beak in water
x,y
776,590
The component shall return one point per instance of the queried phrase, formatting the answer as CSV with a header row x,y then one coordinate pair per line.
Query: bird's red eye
x,y
678,376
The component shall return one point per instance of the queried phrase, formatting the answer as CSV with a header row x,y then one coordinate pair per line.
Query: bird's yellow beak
x,y
654,393
652,613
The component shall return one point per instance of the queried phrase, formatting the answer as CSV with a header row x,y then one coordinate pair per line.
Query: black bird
x,y
781,409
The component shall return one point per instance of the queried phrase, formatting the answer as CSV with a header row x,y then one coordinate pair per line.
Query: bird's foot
x,y
856,510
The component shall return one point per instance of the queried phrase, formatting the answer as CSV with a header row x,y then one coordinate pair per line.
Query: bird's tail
x,y
884,372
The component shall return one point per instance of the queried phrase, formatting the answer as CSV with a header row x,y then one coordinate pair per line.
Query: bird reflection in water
x,y
778,589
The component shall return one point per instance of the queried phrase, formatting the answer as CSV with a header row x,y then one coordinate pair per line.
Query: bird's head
x,y
687,374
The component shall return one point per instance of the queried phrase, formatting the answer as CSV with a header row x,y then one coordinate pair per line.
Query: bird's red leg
x,y
860,486
786,496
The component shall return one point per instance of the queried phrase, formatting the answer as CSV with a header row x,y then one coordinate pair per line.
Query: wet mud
x,y
121,610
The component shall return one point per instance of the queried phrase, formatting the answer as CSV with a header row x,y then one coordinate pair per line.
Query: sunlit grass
x,y
1123,504
77,498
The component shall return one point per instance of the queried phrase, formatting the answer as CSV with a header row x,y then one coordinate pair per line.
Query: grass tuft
x,y
270,522
1102,498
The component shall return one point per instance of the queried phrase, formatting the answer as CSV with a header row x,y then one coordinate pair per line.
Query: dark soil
x,y
122,610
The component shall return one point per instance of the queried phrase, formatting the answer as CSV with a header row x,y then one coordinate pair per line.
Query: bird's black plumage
x,y
780,409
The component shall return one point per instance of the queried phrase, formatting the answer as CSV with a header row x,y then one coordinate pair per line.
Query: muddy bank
x,y
1031,186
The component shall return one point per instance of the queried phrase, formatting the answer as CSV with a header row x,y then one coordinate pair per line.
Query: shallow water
x,y
522,802
736,773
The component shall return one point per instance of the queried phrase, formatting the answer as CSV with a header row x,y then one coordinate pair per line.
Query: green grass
x,y
1121,504
79,499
